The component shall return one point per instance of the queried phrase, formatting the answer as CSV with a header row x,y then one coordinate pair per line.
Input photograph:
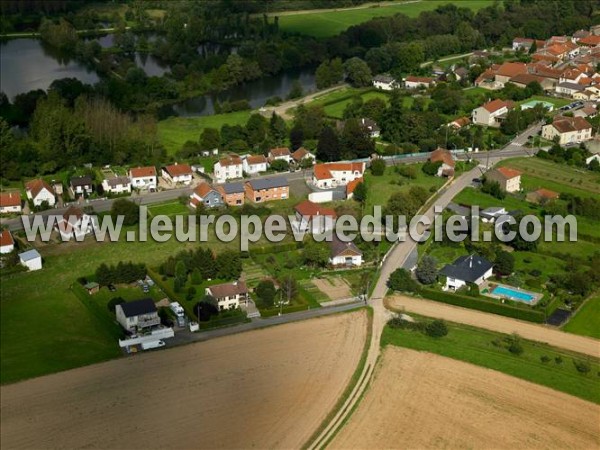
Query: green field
x,y
477,346
586,321
170,209
335,102
176,131
330,23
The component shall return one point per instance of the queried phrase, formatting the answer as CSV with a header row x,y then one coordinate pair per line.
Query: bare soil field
x,y
335,288
421,400
494,322
265,388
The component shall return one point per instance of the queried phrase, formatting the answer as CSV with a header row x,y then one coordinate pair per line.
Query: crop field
x,y
586,321
329,23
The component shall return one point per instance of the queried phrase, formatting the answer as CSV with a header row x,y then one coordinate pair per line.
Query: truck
x,y
177,309
152,344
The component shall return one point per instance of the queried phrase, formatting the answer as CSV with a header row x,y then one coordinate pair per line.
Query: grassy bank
x,y
485,348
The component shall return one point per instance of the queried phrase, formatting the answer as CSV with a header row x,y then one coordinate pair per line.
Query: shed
x,y
92,287
31,259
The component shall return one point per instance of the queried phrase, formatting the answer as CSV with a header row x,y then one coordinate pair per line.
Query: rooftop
x,y
138,307
228,289
6,238
176,170
268,183
29,255
141,172
467,268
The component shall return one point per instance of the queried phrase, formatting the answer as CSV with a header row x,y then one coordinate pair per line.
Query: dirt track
x,y
421,400
534,332
267,388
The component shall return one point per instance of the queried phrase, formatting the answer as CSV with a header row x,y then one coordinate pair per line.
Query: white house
x,y
10,202
253,164
38,191
7,243
412,82
467,269
74,224
178,173
329,175
570,130
385,82
117,185
311,217
508,179
228,168
569,89
143,178
137,315
228,295
31,259
302,154
344,253
282,153
491,113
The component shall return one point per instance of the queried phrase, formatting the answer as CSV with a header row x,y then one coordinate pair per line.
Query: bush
x,y
431,168
582,367
545,359
378,167
514,344
401,280
558,360
436,329
191,293
113,302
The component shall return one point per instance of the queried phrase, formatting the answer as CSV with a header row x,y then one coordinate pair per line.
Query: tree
x,y
280,165
129,210
265,291
296,137
436,329
181,272
328,148
277,129
356,140
296,91
360,193
493,188
315,253
401,280
504,264
210,138
256,129
205,309
378,167
427,270
358,72
289,288
431,168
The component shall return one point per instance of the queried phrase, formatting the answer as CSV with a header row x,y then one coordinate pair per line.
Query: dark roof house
x,y
138,307
467,268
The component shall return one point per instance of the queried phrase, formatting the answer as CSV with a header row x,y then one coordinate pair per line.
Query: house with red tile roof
x,y
328,175
253,164
491,113
282,153
460,123
178,173
508,70
412,82
7,243
74,224
508,179
206,195
10,202
350,187
541,196
228,168
228,295
444,157
302,155
143,177
38,191
311,217
590,41
569,130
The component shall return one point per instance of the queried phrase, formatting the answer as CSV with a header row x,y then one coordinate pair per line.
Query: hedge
x,y
287,247
529,315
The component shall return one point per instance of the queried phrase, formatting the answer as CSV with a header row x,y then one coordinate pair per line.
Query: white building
x,y
310,217
491,113
329,175
74,224
117,185
302,154
10,202
228,295
570,130
228,168
31,259
282,153
412,82
38,191
7,243
467,269
344,253
253,164
137,315
178,173
508,179
385,82
143,178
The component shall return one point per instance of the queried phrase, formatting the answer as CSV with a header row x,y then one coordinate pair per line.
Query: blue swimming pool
x,y
513,294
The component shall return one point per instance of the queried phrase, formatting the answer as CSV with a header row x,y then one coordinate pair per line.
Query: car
x,y
146,288
111,287
476,180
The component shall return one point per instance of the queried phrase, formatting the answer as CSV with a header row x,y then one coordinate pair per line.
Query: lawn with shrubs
x,y
539,363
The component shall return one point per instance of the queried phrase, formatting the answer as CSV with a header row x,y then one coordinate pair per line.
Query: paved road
x,y
527,330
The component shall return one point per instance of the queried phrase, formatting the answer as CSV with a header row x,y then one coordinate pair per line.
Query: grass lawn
x,y
476,346
175,131
336,109
472,196
586,320
330,23
170,209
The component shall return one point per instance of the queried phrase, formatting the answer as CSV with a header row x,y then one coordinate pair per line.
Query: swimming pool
x,y
513,294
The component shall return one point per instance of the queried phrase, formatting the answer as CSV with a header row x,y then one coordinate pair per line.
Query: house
x,y
525,44
282,153
311,217
57,187
443,156
524,79
266,189
117,185
329,175
7,243
569,89
491,113
228,295
206,195
178,173
460,123
31,259
590,41
345,254
586,112
412,82
74,224
371,126
385,82
253,164
81,185
508,179
350,187
233,193
137,315
461,73
592,158
580,34
10,202
508,70
143,178
39,192
467,269
541,196
569,130
491,214
228,168
302,154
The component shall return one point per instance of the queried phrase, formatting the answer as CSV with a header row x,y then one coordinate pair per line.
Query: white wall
x,y
321,197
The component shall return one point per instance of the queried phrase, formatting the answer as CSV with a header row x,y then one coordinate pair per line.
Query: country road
x,y
494,322
281,109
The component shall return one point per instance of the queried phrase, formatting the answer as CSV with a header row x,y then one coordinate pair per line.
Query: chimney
x,y
471,262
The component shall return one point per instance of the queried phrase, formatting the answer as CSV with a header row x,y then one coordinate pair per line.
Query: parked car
x,y
112,288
